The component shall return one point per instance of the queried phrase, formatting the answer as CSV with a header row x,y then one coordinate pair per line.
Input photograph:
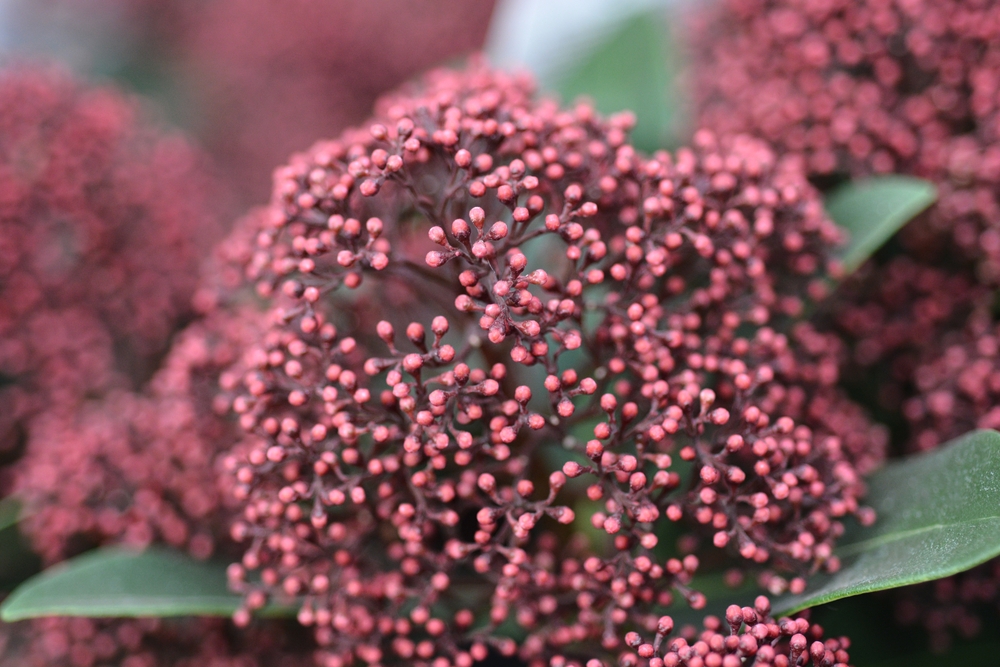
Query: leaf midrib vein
x,y
865,545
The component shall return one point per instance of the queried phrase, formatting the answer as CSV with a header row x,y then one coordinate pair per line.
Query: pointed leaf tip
x,y
938,515
873,210
118,582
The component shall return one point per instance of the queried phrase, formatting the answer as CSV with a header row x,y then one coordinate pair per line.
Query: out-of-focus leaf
x,y
10,512
549,37
120,582
938,515
634,69
17,562
874,209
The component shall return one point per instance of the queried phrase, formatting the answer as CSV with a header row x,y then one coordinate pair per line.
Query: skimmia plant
x,y
485,384
848,102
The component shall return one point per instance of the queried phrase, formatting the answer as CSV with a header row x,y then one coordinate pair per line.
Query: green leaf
x,y
874,209
633,69
17,561
938,515
119,582
10,512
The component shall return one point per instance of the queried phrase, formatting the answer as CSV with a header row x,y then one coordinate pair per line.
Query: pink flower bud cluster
x,y
746,637
857,88
810,368
953,387
821,80
480,279
958,386
141,468
137,468
85,642
103,222
892,312
49,360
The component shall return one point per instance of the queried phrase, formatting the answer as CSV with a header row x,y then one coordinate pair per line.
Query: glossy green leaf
x,y
120,582
635,69
874,209
938,514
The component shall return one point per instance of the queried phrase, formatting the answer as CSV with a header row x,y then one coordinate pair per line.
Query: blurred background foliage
x,y
255,80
